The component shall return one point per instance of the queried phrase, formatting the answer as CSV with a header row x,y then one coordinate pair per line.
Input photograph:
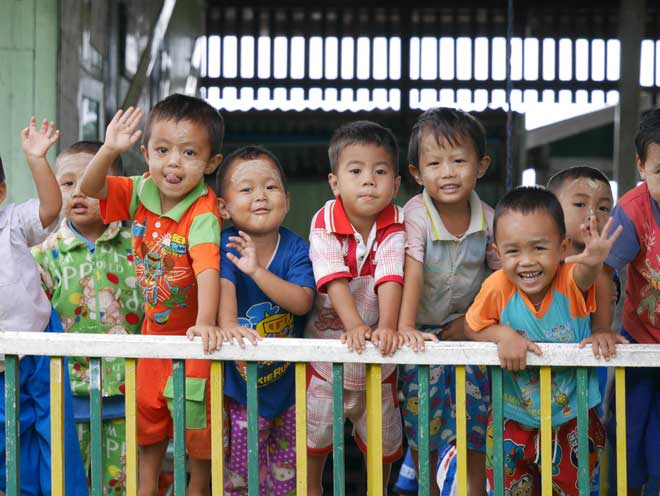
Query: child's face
x,y
365,179
179,155
580,199
81,210
649,170
448,172
530,248
254,197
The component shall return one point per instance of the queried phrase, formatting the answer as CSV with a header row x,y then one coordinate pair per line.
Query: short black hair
x,y
529,199
2,172
450,124
91,148
362,133
648,134
178,108
556,182
250,152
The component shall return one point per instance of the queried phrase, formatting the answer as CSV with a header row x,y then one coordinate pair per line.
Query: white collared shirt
x,y
23,304
454,268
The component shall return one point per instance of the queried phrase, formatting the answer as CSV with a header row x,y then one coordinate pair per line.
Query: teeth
x,y
530,275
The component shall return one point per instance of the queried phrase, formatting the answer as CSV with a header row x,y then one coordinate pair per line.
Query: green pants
x,y
114,454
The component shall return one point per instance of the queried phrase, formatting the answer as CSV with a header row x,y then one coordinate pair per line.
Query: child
x,y
537,298
87,271
356,247
638,214
267,288
176,233
584,192
24,307
448,255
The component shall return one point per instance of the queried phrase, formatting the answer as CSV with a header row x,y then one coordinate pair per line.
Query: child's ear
x,y
414,172
224,209
397,185
288,201
497,251
484,163
564,247
144,152
332,181
213,163
3,191
640,168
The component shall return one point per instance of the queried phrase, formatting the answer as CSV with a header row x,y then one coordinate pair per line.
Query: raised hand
x,y
123,132
596,245
37,142
247,261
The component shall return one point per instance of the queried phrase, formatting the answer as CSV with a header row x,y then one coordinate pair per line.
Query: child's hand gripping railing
x,y
300,352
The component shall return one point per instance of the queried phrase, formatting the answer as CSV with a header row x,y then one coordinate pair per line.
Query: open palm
x,y
596,245
123,132
37,142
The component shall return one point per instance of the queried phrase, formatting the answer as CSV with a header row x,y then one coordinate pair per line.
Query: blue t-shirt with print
x,y
275,380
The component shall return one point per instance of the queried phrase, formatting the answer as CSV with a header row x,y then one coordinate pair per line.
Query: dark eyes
x,y
579,204
67,183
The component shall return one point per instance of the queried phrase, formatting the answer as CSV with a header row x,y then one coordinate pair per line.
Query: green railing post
x,y
339,480
423,471
253,430
12,424
179,390
584,477
498,431
96,425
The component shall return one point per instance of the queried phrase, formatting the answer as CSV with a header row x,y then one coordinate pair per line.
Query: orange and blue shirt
x,y
564,317
170,249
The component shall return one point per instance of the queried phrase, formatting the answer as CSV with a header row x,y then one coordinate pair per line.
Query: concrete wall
x,y
28,75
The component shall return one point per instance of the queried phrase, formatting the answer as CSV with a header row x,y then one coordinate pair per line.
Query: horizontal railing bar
x,y
306,350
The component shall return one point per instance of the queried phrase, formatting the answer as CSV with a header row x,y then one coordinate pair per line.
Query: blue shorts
x,y
642,423
35,445
442,405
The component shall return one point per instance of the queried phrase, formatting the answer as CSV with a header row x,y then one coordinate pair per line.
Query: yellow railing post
x,y
57,424
131,427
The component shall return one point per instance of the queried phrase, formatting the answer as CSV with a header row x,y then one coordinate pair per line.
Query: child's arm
x,y
512,347
36,144
356,332
596,248
292,297
121,135
385,336
603,340
413,280
208,296
228,317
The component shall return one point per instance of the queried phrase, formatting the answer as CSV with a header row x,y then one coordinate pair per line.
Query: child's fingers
x,y
136,136
33,122
25,133
117,116
429,336
621,340
44,126
534,348
134,119
615,235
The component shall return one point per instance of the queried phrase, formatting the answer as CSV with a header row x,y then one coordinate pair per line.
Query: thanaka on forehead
x,y
249,170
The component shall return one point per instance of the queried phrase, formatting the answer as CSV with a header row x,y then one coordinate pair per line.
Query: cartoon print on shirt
x,y
158,273
270,322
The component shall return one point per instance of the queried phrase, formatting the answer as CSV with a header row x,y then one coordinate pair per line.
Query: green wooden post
x,y
96,425
339,477
424,472
584,481
12,425
179,390
253,430
498,431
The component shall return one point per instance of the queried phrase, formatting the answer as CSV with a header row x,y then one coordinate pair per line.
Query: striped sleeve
x,y
325,252
390,255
